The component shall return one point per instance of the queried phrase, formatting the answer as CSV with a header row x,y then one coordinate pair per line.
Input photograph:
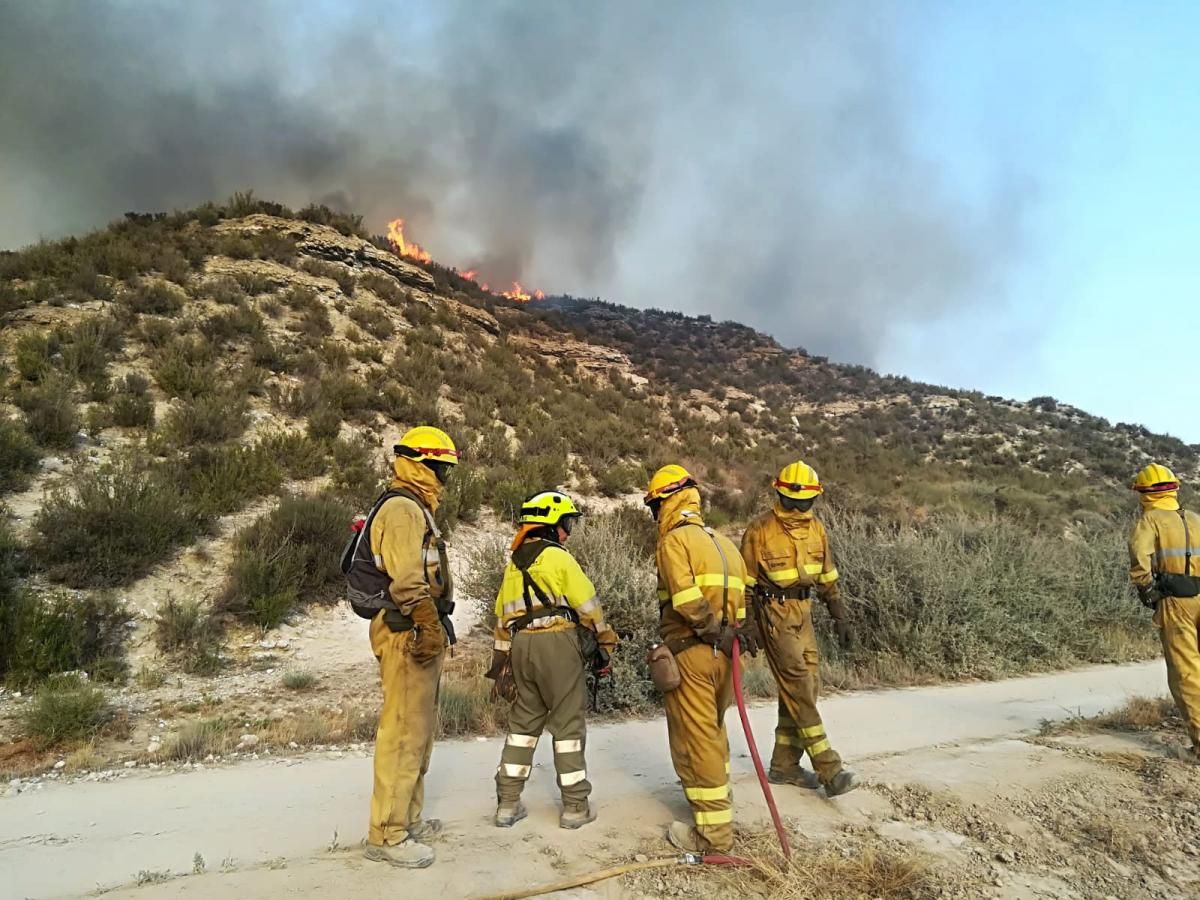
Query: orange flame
x,y
413,250
517,293
395,237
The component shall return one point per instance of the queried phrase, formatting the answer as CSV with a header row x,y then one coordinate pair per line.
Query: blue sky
x,y
1095,106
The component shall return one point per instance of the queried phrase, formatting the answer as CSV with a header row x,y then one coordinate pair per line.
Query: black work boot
x,y
841,783
799,776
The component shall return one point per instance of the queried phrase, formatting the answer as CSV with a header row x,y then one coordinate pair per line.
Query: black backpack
x,y
367,586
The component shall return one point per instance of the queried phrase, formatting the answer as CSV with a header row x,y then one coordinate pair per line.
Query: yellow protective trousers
x,y
404,740
1178,620
699,744
791,645
547,667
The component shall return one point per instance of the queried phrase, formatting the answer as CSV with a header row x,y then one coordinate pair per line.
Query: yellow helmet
x,y
667,481
799,481
548,508
1155,478
427,444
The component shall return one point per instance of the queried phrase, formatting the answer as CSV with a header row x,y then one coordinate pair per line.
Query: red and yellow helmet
x,y
667,481
427,444
799,481
1154,479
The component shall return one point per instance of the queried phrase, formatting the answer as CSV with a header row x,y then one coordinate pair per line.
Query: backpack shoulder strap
x,y
365,533
1187,543
524,557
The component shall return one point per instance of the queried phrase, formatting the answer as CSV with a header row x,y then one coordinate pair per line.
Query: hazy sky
x,y
996,196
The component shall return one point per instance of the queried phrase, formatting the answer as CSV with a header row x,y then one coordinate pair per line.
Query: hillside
x,y
284,319
196,404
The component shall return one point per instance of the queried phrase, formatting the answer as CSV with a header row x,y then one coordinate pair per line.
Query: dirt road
x,y
290,825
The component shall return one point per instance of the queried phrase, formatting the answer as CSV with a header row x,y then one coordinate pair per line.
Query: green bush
x,y
187,368
221,480
358,472
324,423
372,320
955,597
255,283
297,454
19,456
131,404
33,355
342,275
286,558
42,634
51,416
88,346
189,631
208,419
110,525
384,287
155,298
66,708
224,290
233,325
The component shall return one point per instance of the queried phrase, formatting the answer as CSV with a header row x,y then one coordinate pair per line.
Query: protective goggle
x,y
792,486
668,489
436,452
1157,488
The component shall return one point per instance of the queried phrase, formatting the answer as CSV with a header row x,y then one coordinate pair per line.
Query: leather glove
x,y
724,641
845,634
602,662
841,622
1148,595
749,637
499,660
430,638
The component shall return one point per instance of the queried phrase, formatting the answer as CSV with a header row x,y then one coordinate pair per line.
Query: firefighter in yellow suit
x,y
544,609
788,558
409,642
701,587
1164,565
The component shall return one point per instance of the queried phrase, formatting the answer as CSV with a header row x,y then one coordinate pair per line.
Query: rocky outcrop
x,y
323,242
591,357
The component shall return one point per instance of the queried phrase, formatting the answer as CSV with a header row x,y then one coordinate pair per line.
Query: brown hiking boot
x,y
407,855
685,837
576,818
1184,754
800,777
509,814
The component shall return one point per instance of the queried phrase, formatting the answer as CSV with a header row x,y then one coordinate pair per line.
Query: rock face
x,y
323,242
593,357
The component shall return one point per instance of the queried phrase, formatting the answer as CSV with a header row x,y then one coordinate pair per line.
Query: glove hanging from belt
x,y
841,622
430,637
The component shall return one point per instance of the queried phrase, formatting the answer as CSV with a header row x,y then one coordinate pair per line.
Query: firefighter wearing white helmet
x,y
788,560
549,629
408,637
1164,565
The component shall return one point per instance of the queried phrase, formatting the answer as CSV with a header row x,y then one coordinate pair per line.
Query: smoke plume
x,y
753,161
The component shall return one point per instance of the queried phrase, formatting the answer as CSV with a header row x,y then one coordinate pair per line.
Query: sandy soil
x,y
955,771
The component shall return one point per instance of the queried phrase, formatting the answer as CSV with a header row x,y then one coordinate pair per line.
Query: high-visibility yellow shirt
x,y
565,585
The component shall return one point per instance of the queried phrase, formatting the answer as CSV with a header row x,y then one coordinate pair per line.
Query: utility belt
x,y
678,645
558,612
397,621
1174,585
779,595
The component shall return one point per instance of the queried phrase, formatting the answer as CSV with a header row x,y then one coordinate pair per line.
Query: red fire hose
x,y
758,766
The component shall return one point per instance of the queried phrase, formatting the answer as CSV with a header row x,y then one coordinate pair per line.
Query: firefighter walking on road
x,y
399,567
788,559
701,587
549,630
1164,565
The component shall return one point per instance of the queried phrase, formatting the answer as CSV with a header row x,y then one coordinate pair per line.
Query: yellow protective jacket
x,y
789,549
560,577
699,570
403,543
1156,544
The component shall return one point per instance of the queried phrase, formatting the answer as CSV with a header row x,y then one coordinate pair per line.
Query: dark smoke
x,y
755,161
